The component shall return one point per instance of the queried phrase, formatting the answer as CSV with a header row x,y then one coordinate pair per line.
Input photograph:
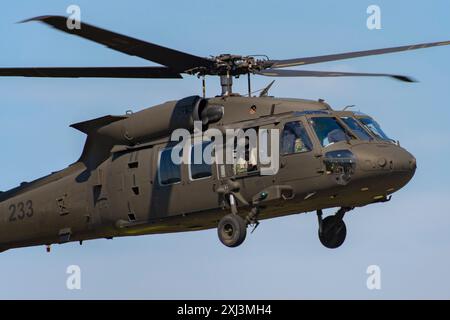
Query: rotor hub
x,y
230,65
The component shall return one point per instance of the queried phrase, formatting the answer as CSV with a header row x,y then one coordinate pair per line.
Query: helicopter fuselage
x,y
122,185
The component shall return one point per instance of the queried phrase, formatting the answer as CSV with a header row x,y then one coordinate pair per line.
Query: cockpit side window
x,y
294,138
375,128
357,129
329,130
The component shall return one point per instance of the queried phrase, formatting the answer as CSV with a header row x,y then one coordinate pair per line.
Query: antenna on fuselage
x,y
265,91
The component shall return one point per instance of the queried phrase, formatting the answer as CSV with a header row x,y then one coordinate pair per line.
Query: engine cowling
x,y
162,120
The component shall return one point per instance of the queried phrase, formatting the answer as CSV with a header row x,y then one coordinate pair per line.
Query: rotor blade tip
x,y
405,78
38,18
25,20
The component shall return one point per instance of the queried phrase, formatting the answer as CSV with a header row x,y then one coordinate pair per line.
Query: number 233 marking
x,y
21,211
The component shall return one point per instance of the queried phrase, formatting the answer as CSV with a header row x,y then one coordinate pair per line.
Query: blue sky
x,y
408,237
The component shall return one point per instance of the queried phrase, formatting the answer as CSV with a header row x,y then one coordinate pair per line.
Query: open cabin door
x,y
248,172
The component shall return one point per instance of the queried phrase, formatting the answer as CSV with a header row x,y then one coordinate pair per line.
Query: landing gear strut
x,y
332,229
232,228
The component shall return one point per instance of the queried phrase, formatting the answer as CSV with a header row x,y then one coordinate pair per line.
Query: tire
x,y
232,230
333,232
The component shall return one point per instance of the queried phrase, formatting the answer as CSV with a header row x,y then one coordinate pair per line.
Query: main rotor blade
x,y
92,72
176,60
306,73
349,55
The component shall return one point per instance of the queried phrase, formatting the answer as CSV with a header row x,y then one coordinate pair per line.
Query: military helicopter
x,y
126,184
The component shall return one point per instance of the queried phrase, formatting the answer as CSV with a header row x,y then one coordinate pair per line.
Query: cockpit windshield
x,y
356,128
328,130
375,128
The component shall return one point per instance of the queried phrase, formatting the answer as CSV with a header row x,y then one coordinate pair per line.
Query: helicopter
x,y
126,183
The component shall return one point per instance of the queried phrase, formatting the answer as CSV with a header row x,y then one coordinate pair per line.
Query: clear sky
x,y
409,237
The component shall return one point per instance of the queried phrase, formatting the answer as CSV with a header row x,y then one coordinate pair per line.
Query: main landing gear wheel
x,y
333,232
232,230
332,229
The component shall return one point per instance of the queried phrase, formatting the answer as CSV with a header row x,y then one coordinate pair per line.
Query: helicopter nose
x,y
391,166
397,160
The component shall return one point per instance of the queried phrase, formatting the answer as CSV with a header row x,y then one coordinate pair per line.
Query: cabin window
x,y
294,138
356,128
328,130
203,169
168,172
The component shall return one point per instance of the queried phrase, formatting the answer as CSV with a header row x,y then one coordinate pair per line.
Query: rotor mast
x,y
226,82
